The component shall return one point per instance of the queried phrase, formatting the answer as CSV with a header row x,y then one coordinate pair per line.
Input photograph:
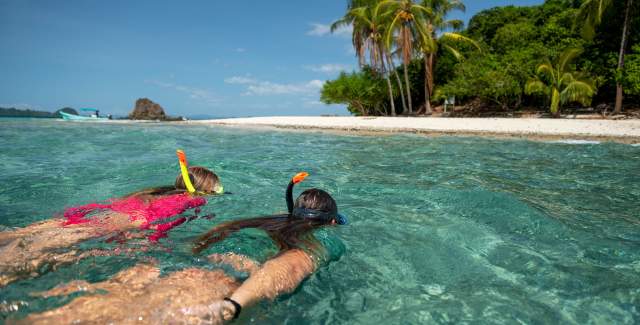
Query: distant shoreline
x,y
621,131
538,129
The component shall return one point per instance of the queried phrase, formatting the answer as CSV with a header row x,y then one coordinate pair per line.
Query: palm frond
x,y
461,38
566,57
455,24
578,91
360,13
590,16
422,33
457,5
428,44
340,23
418,9
455,52
390,31
535,87
546,70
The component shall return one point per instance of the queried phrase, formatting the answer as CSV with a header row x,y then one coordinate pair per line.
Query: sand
x,y
626,131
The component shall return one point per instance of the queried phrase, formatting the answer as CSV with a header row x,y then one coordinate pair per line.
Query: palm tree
x,y
437,23
368,22
373,21
590,15
407,21
358,32
560,83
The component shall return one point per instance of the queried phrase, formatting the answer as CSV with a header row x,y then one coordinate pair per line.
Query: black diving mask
x,y
319,215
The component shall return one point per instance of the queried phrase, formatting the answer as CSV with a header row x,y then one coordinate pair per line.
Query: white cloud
x,y
240,50
271,88
319,30
325,29
265,88
240,80
329,68
194,93
313,103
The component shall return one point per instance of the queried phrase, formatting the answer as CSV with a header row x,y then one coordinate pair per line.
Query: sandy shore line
x,y
626,131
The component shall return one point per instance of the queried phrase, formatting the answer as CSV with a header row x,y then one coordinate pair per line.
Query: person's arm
x,y
279,275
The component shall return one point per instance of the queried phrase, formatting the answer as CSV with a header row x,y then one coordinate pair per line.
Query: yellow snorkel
x,y
184,171
182,159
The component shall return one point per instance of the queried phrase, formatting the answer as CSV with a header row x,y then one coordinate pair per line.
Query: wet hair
x,y
286,230
203,179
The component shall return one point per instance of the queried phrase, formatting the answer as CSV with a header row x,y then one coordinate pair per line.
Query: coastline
x,y
621,131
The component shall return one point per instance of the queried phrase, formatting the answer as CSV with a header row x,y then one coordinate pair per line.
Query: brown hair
x,y
286,230
203,179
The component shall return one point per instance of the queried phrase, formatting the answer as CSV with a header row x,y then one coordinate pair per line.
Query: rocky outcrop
x,y
146,109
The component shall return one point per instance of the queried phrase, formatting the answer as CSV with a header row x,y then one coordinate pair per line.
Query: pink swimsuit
x,y
150,212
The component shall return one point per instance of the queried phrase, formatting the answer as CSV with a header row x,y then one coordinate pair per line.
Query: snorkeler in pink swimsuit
x,y
39,247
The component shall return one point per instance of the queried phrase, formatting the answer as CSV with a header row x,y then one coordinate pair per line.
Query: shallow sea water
x,y
442,230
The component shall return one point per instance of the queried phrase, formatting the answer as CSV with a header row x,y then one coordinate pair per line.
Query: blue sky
x,y
219,58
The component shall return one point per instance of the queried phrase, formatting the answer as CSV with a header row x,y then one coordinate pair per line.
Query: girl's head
x,y
316,199
202,179
317,205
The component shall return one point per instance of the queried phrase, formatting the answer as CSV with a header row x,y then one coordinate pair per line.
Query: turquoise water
x,y
443,230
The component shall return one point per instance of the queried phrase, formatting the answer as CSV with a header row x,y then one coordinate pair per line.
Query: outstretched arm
x,y
279,275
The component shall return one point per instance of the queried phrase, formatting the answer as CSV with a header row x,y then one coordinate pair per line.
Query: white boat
x,y
92,117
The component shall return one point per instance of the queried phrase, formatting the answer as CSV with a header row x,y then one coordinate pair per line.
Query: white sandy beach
x,y
621,130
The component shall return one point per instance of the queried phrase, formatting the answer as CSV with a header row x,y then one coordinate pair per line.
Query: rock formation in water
x,y
146,109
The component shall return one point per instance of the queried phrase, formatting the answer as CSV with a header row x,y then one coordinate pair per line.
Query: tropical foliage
x,y
420,56
590,16
363,92
560,83
632,72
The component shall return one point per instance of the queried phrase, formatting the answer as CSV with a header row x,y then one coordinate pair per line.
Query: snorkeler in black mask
x,y
292,233
309,213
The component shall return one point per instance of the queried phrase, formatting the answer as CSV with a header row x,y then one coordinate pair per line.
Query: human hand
x,y
214,313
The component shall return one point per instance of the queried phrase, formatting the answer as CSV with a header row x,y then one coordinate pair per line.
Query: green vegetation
x,y
561,84
363,92
13,112
501,61
632,72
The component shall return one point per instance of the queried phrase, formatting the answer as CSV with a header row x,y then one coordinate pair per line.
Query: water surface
x,y
443,230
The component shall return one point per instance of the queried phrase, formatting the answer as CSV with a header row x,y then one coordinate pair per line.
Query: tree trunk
x,y
623,45
386,73
427,92
432,64
362,110
395,72
406,82
406,59
555,102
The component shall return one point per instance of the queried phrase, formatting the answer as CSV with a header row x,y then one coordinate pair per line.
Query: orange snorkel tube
x,y
299,177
